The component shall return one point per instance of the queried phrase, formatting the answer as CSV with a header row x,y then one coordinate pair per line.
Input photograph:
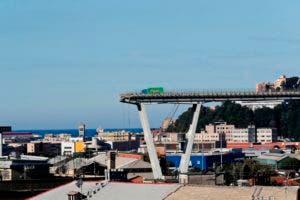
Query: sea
x,y
74,132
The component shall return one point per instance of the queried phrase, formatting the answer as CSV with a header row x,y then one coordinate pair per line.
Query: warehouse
x,y
206,161
277,160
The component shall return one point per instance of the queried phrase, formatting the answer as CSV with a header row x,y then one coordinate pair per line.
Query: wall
x,y
67,148
79,147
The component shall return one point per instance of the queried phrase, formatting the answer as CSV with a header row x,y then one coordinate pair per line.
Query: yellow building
x,y
79,147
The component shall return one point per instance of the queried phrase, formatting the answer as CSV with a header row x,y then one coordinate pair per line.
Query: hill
x,y
284,117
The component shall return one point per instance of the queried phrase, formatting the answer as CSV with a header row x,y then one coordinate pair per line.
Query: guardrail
x,y
209,95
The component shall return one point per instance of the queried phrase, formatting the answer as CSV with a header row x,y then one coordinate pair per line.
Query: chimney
x,y
112,159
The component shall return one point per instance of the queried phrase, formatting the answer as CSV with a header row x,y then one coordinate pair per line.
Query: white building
x,y
266,135
67,148
166,137
239,135
206,137
253,105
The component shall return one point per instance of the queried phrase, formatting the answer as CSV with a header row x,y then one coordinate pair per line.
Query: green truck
x,y
153,90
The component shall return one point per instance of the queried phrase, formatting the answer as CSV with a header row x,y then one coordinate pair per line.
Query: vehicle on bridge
x,y
153,90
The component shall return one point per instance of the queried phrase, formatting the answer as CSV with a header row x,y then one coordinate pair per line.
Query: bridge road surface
x,y
206,96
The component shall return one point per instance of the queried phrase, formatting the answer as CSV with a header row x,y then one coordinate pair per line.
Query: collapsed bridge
x,y
197,99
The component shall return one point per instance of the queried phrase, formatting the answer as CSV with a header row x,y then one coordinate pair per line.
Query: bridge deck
x,y
193,97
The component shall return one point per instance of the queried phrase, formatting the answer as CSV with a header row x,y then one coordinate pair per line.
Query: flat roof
x,y
272,156
232,193
113,191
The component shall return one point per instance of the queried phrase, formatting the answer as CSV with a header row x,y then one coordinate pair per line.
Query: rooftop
x,y
273,156
112,191
232,193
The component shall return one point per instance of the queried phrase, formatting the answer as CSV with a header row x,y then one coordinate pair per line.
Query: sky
x,y
63,62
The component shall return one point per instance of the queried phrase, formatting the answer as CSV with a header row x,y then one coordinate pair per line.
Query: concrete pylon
x,y
185,158
157,173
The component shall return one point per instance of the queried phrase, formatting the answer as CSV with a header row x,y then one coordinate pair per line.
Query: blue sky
x,y
62,62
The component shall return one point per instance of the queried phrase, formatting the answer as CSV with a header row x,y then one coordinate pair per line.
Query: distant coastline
x,y
74,132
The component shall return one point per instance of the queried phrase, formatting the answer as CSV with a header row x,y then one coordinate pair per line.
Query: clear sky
x,y
63,62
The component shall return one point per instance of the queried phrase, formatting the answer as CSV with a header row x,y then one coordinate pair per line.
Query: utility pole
x,y
202,149
221,152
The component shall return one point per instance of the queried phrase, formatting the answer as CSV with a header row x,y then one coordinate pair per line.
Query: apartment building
x,y
39,148
266,135
115,136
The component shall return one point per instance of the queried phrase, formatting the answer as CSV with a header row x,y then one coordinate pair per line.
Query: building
x,y
25,167
276,160
95,145
132,145
81,130
93,190
243,135
205,161
234,193
280,82
253,105
240,135
205,137
5,129
10,137
39,148
220,128
115,136
166,123
79,147
166,137
62,137
266,135
252,152
215,135
67,148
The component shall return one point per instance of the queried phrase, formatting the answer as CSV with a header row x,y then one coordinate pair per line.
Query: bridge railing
x,y
210,92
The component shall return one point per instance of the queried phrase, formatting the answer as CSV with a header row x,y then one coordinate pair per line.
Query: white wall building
x,y
67,148
253,105
239,135
266,135
206,137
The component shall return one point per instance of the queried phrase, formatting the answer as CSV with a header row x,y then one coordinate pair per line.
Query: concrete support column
x,y
157,173
185,158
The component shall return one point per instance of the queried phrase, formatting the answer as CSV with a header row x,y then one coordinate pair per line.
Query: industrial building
x,y
276,160
205,161
25,167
